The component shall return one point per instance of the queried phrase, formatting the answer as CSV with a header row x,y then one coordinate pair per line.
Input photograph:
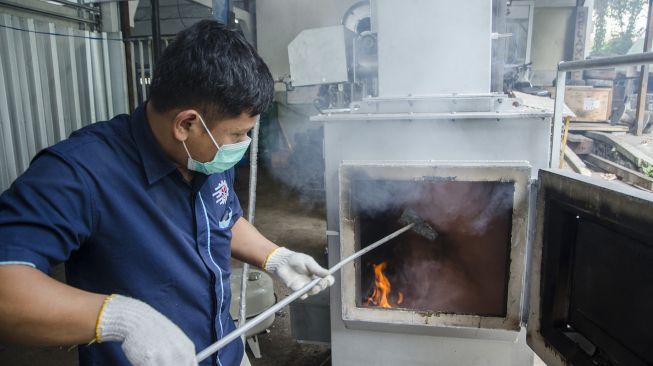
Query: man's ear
x,y
184,123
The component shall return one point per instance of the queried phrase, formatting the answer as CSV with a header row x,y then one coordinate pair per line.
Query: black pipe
x,y
156,32
599,63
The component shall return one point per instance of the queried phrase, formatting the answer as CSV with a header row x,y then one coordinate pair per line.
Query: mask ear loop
x,y
209,132
185,148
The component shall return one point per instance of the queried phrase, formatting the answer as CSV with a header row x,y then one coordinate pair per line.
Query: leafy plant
x,y
647,169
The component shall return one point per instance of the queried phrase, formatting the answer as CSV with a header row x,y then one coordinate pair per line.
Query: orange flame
x,y
382,288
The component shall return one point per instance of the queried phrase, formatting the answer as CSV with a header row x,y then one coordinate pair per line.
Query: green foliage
x,y
623,14
618,45
600,20
647,169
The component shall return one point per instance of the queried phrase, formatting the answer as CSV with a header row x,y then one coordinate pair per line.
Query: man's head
x,y
213,69
209,79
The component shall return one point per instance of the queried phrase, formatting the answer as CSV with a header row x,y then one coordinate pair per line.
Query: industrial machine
x,y
341,60
527,257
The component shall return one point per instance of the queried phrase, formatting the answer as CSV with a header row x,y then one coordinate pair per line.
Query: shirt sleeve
x,y
46,214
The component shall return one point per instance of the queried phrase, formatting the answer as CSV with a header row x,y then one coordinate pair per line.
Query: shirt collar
x,y
155,162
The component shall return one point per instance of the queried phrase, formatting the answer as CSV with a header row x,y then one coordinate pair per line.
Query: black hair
x,y
213,68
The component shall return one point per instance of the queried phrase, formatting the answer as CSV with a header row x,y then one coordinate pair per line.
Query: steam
x,y
373,197
471,206
301,169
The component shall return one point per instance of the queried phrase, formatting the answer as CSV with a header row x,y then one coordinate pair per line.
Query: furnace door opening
x,y
464,271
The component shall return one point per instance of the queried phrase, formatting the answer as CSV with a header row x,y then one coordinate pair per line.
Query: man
x,y
143,211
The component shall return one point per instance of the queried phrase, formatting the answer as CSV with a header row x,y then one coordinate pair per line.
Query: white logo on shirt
x,y
221,193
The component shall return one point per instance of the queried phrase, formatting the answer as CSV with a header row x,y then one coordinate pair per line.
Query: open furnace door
x,y
591,290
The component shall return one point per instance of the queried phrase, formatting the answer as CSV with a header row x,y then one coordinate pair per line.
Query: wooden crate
x,y
594,126
588,103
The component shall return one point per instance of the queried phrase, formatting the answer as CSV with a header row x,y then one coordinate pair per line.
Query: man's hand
x,y
296,270
148,337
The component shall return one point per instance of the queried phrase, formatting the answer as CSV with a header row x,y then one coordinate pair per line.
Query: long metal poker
x,y
208,351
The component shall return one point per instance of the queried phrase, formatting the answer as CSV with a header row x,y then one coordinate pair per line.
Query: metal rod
x,y
499,9
107,76
91,79
643,75
558,106
142,78
251,207
150,63
60,124
46,13
132,64
98,77
125,87
74,82
292,297
38,123
598,63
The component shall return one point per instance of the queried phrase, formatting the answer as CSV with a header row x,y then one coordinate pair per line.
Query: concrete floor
x,y
283,219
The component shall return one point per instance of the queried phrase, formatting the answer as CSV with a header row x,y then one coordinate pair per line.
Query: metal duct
x,y
434,47
221,9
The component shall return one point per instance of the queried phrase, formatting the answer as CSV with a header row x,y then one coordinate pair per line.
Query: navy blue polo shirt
x,y
109,203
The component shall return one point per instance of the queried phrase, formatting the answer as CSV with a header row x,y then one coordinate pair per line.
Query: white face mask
x,y
225,158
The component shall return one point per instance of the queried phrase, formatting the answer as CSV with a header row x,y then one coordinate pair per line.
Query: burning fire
x,y
382,289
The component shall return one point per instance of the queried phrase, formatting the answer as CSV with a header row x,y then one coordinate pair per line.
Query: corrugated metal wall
x,y
141,65
53,80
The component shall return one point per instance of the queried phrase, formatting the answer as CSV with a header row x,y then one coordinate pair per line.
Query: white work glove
x,y
296,270
148,337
